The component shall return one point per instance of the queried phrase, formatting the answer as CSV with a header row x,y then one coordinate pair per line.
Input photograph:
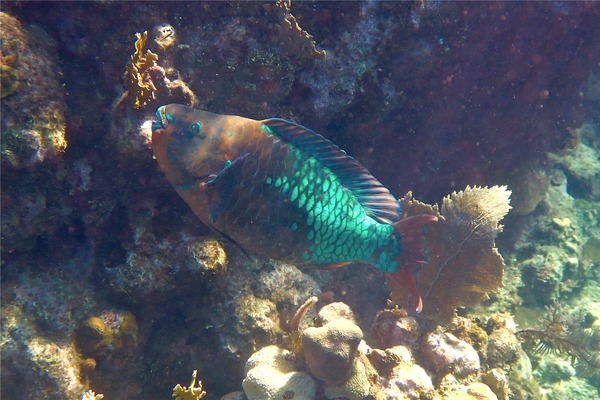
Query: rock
x,y
234,396
394,328
330,350
503,345
467,330
521,381
475,391
445,352
205,256
406,381
497,380
270,375
552,369
386,360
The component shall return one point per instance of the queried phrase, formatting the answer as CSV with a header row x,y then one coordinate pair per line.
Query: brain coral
x,y
271,375
330,350
355,388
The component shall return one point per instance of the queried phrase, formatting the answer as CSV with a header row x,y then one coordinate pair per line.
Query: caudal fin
x,y
414,252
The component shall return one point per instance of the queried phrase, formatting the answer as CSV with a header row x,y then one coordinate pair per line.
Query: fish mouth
x,y
157,126
163,120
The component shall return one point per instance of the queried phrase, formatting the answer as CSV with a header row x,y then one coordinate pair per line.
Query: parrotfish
x,y
283,191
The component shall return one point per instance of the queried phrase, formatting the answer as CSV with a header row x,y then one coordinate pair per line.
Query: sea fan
x,y
464,265
472,215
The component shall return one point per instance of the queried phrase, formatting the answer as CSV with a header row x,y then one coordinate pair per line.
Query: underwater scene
x,y
300,200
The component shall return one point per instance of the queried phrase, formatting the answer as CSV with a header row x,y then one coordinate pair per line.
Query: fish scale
x,y
327,231
283,191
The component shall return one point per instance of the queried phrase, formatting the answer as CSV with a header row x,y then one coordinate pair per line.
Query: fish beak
x,y
163,119
156,125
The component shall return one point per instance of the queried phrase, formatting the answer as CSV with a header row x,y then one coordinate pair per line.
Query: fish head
x,y
185,144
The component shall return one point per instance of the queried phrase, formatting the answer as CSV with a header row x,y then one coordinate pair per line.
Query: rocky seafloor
x,y
110,284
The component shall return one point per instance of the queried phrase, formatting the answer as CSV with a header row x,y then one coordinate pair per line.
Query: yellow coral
x,y
298,41
191,393
140,87
91,395
93,337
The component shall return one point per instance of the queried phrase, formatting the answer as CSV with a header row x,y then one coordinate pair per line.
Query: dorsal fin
x,y
374,197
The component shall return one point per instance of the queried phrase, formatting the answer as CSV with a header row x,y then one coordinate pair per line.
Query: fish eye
x,y
196,127
195,130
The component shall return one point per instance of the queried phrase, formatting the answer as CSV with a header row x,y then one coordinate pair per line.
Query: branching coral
x,y
464,266
149,84
565,335
140,87
297,41
189,393
91,395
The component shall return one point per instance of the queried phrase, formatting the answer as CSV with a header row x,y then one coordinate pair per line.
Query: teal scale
x,y
343,212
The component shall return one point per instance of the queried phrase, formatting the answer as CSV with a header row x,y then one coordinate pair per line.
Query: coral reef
x,y
148,276
107,338
503,346
33,120
438,365
35,337
335,310
32,136
430,96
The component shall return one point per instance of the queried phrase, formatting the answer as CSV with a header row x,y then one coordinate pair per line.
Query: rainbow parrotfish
x,y
285,192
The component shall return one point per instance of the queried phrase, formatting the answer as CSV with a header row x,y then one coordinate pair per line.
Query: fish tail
x,y
414,252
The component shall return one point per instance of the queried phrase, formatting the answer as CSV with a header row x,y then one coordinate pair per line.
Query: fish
x,y
282,191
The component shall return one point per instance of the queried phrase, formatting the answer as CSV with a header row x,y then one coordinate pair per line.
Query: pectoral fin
x,y
221,187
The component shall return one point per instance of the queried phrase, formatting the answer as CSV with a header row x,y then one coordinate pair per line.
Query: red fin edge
x,y
329,267
414,253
